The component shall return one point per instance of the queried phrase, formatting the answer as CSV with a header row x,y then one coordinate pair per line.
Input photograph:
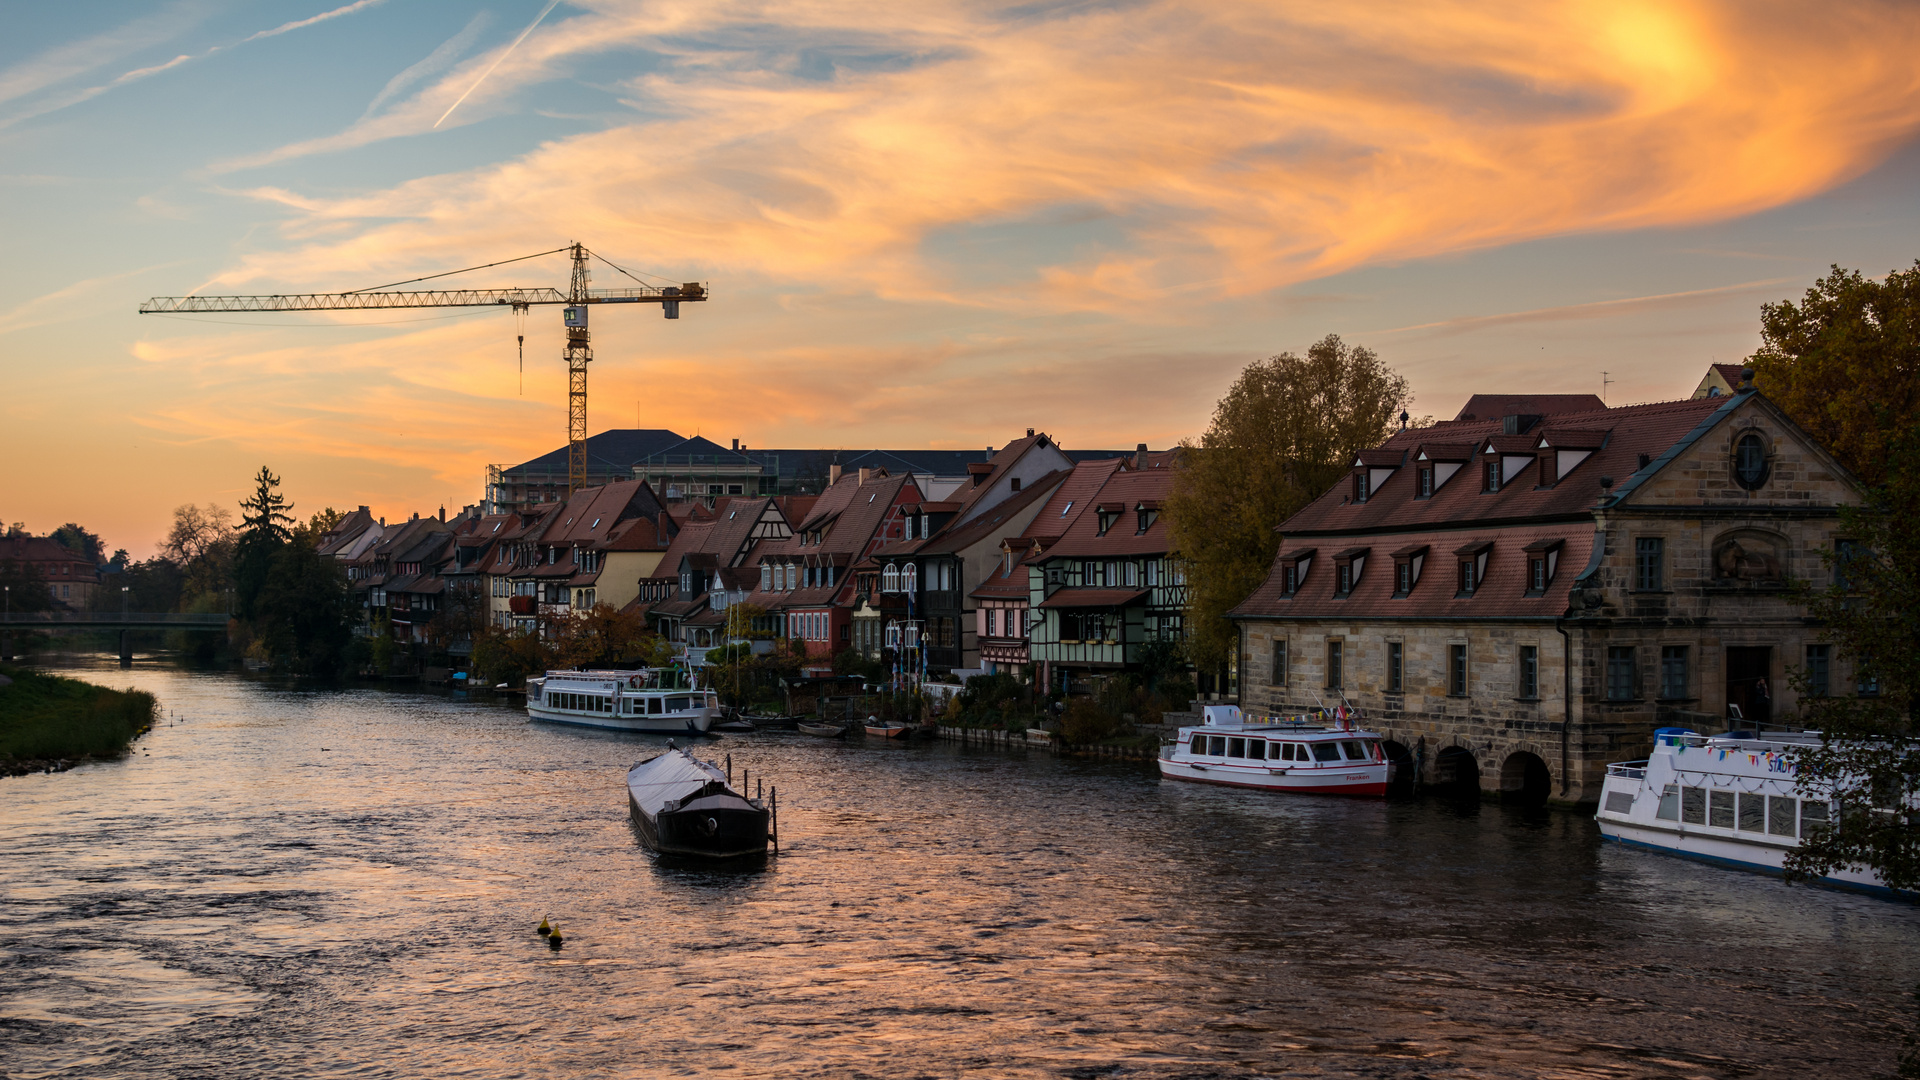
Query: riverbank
x,y
50,723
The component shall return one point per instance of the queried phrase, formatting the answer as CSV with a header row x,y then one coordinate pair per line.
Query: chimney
x,y
1141,450
736,444
833,475
866,474
443,513
415,517
1029,433
363,508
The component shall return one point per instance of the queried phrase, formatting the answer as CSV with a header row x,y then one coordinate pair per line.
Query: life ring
x,y
633,682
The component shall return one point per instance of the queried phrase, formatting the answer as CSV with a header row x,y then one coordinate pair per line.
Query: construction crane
x,y
576,300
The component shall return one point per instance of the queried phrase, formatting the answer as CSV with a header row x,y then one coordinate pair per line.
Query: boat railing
x,y
1631,770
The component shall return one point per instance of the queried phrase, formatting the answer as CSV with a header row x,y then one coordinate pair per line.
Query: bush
x,y
1087,722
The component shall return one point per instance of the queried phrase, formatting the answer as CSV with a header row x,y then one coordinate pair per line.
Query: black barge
x,y
685,807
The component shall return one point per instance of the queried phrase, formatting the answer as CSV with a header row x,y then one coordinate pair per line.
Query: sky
x,y
922,225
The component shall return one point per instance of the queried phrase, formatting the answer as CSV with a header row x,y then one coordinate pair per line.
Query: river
x,y
288,882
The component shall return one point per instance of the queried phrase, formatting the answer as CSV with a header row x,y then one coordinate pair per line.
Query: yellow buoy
x,y
543,929
554,939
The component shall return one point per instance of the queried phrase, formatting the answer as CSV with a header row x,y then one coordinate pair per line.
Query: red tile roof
x,y
1126,489
1086,598
1494,406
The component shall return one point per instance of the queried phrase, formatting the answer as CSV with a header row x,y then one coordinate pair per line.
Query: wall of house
x,y
619,581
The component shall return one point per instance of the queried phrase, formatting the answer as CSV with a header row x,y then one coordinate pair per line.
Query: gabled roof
x,y
1076,492
609,451
1393,505
991,523
1126,489
591,515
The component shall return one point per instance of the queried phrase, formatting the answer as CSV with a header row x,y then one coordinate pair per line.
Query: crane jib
x,y
669,296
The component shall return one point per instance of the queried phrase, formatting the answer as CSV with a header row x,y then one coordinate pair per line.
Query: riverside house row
x,y
1520,596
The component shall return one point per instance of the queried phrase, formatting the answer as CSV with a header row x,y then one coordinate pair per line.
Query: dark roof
x,y
1084,598
1127,488
609,451
1495,406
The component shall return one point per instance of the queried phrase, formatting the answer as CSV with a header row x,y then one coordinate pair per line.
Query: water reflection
x,y
299,882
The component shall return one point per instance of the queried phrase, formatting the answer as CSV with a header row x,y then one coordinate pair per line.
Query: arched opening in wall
x,y
1525,780
1401,768
1456,773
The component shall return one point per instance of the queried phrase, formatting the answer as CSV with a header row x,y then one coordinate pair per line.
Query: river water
x,y
291,883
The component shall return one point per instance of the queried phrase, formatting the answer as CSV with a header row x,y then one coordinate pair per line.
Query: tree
x,y
85,544
301,614
1844,363
200,543
26,589
1285,431
1869,751
264,529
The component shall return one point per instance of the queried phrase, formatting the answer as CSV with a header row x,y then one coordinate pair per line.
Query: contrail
x,y
551,4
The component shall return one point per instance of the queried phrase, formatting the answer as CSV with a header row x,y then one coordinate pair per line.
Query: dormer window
x,y
1493,474
1543,559
907,527
1473,566
1348,566
1426,482
1107,518
1360,486
1407,563
1016,483
1293,571
1148,513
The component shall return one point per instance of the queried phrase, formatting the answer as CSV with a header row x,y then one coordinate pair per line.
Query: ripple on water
x,y
241,901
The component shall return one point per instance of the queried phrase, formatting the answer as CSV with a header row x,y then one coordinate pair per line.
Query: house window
x,y
1016,483
1467,578
1530,672
1403,577
1132,574
1649,553
1845,553
1673,672
1750,461
908,526
1360,486
1457,670
1537,574
1865,683
1147,518
1619,673
1279,674
1106,520
993,622
890,579
1819,670
1426,482
1289,579
1346,579
1335,650
1092,573
910,578
1493,475
1396,667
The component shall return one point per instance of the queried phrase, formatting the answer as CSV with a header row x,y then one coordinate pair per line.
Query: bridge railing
x,y
172,619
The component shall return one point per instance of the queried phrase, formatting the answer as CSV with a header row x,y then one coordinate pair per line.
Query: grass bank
x,y
47,721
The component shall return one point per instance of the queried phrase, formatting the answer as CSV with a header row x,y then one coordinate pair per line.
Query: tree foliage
x,y
26,590
81,542
265,511
1845,364
1285,431
1870,743
302,615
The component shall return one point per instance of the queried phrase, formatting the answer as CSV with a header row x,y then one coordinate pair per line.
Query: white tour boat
x,y
1320,756
1728,799
620,701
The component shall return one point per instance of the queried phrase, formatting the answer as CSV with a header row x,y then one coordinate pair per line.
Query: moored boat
x,y
1314,755
621,701
890,729
824,731
1731,799
684,806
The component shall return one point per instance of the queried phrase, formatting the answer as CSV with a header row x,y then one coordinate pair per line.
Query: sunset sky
x,y
923,224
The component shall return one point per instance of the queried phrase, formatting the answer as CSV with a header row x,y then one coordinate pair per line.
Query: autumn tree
x,y
1285,431
199,545
1868,761
1845,364
80,541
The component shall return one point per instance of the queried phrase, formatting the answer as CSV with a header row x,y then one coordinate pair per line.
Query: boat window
x,y
1720,809
1326,751
1753,812
1780,815
1355,752
1693,805
1257,749
1619,802
653,705
679,704
713,701
1669,803
1812,816
1237,748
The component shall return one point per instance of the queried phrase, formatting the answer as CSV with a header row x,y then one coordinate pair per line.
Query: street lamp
x,y
123,601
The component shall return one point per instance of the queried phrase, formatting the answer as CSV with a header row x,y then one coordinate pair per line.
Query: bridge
x,y
122,621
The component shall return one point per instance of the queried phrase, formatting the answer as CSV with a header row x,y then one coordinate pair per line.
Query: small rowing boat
x,y
824,731
891,729
685,806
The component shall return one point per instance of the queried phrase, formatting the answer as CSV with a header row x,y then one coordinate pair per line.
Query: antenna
x,y
1603,387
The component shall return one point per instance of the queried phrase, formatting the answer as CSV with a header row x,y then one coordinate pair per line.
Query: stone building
x,y
1517,601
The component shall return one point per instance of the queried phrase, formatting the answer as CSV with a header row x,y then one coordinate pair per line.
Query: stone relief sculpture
x,y
1747,558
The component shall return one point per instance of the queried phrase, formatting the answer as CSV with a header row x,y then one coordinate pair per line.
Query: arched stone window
x,y
890,582
1750,466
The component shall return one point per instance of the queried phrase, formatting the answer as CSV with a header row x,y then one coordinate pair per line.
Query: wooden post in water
x,y
776,820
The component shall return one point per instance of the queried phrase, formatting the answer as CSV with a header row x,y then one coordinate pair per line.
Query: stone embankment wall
x,y
1019,740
